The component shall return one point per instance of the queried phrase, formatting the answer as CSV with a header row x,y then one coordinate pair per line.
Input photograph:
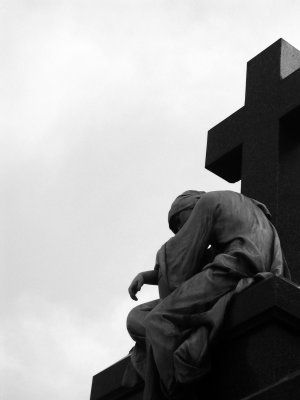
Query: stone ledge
x,y
266,300
286,388
107,383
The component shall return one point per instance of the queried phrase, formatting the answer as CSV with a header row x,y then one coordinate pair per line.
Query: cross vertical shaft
x,y
259,143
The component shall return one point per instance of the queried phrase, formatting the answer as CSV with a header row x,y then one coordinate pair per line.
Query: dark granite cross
x,y
260,143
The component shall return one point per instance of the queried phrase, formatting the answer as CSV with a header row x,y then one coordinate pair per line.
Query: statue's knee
x,y
152,320
135,322
131,320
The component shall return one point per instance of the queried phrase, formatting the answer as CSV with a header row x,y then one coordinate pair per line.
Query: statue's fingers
x,y
133,296
130,291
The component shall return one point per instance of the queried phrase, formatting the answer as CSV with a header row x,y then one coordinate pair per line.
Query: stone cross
x,y
260,143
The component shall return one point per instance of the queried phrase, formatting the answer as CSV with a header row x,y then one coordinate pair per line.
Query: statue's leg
x,y
136,329
136,320
176,317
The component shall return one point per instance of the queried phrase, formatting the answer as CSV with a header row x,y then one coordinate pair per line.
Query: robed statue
x,y
223,242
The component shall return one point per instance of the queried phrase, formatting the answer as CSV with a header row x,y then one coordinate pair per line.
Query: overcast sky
x,y
104,113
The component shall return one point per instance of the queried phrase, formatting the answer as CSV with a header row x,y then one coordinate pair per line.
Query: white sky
x,y
104,112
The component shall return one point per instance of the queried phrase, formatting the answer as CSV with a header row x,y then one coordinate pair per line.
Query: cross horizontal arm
x,y
224,147
290,93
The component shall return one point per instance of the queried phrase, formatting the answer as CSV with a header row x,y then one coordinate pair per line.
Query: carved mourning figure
x,y
223,242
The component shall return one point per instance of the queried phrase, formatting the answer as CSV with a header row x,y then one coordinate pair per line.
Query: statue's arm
x,y
150,277
146,277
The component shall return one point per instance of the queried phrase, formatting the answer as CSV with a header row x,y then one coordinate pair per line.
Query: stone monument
x,y
259,353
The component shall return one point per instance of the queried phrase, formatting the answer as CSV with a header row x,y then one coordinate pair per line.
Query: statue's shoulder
x,y
222,195
220,200
210,200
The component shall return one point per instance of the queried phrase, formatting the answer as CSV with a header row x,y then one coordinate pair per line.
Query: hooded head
x,y
186,201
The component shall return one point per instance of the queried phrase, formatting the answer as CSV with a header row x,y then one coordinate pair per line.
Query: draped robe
x,y
174,334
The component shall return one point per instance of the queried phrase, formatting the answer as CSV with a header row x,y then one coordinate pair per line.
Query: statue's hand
x,y
136,286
